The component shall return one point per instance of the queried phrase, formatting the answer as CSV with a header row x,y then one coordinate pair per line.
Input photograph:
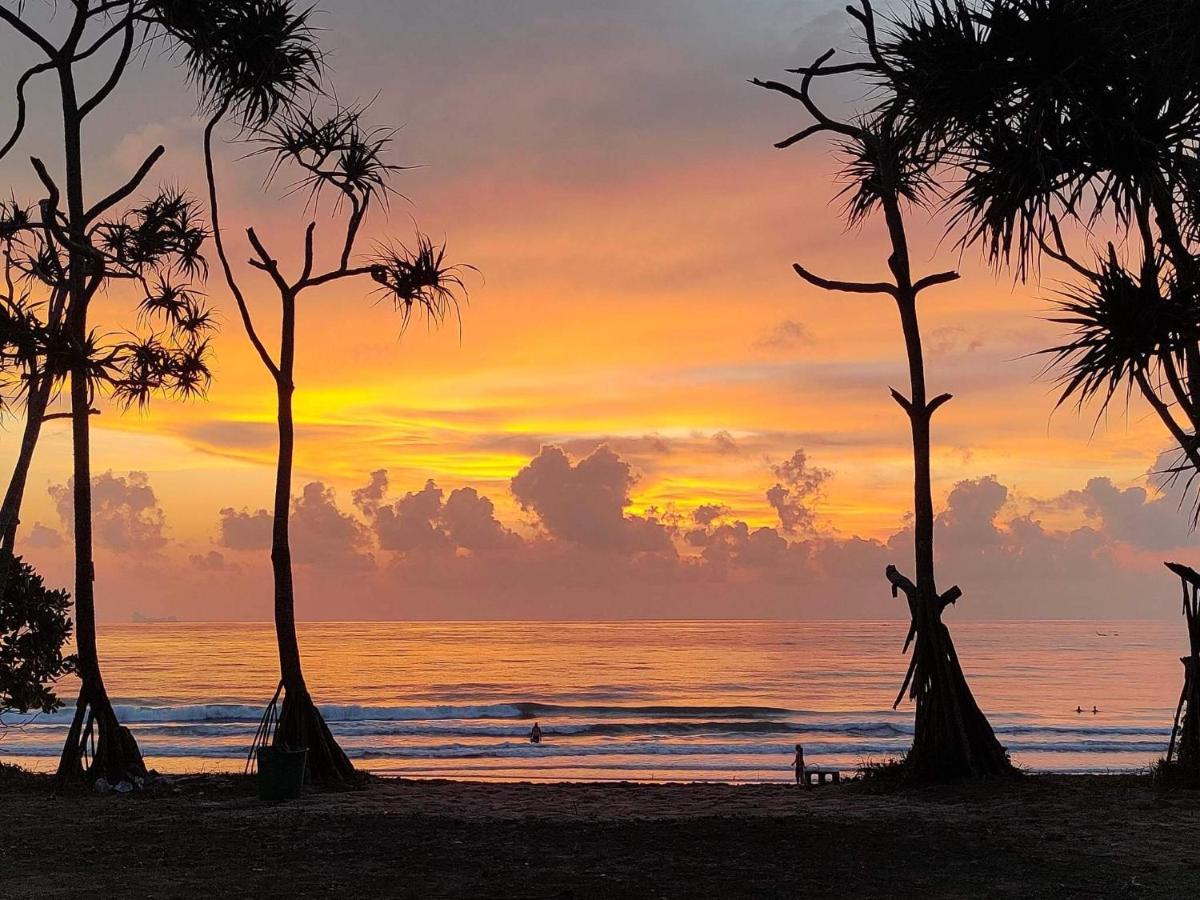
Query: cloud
x,y
410,523
126,517
324,536
725,443
367,498
1131,514
585,502
212,561
791,497
450,555
245,530
320,533
470,521
43,537
707,513
787,335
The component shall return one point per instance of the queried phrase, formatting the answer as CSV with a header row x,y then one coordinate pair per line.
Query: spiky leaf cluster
x,y
1052,107
165,233
418,280
334,151
1121,325
250,57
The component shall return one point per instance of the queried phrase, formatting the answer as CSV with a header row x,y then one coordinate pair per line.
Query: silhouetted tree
x,y
1066,119
35,625
154,247
886,168
1182,762
253,62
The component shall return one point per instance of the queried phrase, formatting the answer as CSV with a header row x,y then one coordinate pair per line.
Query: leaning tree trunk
x,y
952,738
115,755
300,723
1184,749
10,509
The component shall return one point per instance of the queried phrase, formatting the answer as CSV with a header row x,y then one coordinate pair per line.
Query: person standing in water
x,y
798,764
535,734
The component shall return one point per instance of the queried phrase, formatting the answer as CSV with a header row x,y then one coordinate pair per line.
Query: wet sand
x,y
1043,836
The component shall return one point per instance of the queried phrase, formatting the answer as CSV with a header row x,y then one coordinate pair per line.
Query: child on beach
x,y
798,764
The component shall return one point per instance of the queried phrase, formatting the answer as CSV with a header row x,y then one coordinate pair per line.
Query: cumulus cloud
x,y
1131,514
410,523
585,502
791,497
591,556
43,537
470,521
126,517
367,498
707,513
323,535
212,561
244,530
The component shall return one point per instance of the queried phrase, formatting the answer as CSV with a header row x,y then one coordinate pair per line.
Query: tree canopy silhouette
x,y
67,253
1068,122
887,169
35,625
259,68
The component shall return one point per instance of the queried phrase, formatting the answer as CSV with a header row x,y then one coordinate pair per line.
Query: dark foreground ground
x,y
207,836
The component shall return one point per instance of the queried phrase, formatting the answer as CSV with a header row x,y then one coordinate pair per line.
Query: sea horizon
x,y
649,700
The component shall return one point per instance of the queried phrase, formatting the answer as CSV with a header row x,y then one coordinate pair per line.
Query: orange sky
x,y
612,177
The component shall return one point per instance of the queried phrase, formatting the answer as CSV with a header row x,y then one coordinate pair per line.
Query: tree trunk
x,y
951,736
116,755
300,722
10,509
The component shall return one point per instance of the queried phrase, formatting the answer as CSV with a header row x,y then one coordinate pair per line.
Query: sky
x,y
646,414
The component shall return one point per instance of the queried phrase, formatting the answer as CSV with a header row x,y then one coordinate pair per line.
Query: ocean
x,y
642,701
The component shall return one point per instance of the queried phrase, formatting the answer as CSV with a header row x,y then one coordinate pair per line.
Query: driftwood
x,y
1184,749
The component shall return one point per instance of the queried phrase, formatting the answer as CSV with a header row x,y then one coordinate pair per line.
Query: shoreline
x,y
1035,836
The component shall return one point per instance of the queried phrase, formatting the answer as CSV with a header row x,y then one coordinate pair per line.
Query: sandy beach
x,y
1043,836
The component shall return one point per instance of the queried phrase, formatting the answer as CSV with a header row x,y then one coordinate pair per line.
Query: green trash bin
x,y
280,773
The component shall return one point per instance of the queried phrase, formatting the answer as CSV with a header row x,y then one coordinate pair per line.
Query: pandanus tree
x,y
887,171
91,246
262,76
1183,751
1074,130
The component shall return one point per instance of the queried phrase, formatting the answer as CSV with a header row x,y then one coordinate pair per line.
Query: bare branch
x,y
951,596
19,126
234,287
128,187
267,263
335,275
907,406
900,583
848,287
29,33
932,280
867,17
1059,252
67,415
115,76
308,251
937,403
